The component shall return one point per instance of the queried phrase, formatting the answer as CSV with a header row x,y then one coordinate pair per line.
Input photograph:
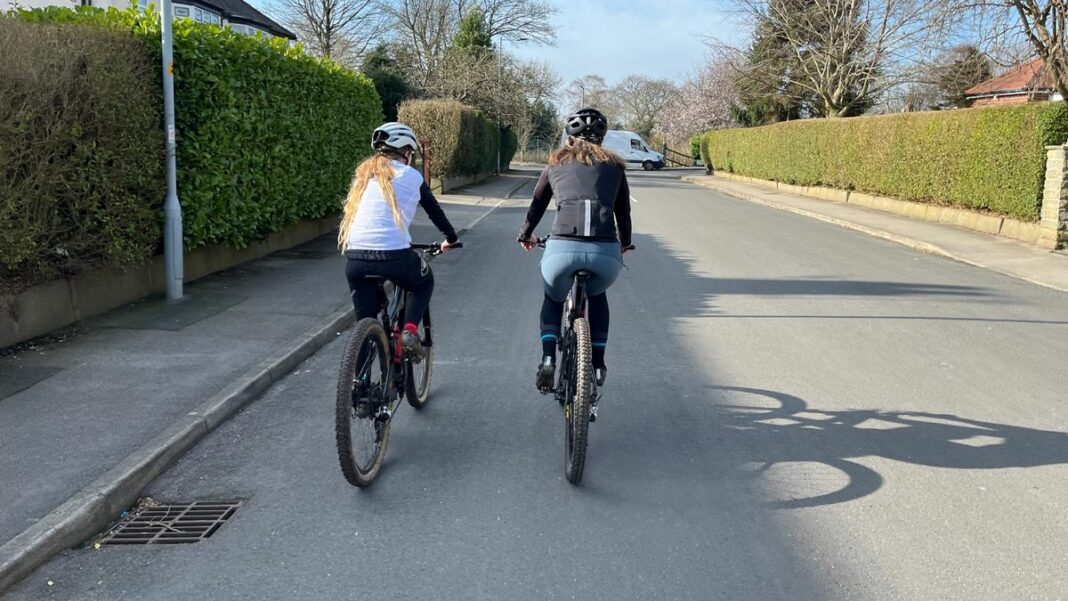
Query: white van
x,y
634,150
631,148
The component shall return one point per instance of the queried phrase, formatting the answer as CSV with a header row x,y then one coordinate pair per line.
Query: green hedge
x,y
81,151
266,134
509,146
463,141
986,159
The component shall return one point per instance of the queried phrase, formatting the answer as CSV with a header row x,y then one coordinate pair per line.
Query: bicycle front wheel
x,y
577,409
362,390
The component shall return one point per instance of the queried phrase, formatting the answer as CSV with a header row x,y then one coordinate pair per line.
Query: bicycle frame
x,y
574,308
392,314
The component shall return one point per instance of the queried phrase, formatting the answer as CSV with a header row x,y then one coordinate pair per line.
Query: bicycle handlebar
x,y
435,248
541,243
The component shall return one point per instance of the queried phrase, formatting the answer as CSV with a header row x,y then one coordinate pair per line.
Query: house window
x,y
142,4
181,11
204,16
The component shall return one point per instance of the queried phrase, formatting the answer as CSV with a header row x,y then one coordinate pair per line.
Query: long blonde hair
x,y
379,167
577,150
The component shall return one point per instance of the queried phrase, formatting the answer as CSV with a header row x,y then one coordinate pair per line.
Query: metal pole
x,y
173,261
500,91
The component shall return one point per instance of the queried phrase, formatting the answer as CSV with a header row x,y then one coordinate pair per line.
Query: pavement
x,y
1004,255
89,416
794,411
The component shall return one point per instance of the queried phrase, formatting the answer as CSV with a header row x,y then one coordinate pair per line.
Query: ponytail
x,y
380,168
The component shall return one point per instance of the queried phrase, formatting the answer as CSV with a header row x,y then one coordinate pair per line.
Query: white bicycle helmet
x,y
395,136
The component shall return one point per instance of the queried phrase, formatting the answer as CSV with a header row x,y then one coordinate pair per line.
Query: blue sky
x,y
614,38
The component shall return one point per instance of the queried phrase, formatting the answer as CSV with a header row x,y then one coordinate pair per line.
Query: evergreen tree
x,y
390,84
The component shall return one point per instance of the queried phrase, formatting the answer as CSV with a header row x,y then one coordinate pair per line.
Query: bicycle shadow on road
x,y
771,441
806,457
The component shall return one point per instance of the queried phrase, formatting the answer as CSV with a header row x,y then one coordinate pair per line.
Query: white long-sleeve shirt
x,y
373,227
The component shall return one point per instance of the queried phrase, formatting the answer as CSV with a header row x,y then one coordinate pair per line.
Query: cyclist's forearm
x,y
436,214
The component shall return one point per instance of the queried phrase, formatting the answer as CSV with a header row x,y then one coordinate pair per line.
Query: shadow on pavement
x,y
784,436
793,455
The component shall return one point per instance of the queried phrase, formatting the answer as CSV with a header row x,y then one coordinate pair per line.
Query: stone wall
x,y
59,303
1053,220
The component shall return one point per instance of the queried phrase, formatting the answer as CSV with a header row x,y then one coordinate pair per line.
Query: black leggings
x,y
402,267
552,315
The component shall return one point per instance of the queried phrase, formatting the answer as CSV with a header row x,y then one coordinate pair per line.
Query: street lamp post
x,y
500,92
173,260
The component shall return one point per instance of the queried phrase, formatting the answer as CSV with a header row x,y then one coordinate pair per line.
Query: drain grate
x,y
171,524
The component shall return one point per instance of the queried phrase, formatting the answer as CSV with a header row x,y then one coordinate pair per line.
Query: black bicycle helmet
x,y
588,124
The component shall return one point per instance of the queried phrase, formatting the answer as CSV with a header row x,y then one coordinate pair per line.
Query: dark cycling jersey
x,y
591,201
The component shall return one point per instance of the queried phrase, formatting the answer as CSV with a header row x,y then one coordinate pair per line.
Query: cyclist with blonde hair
x,y
374,235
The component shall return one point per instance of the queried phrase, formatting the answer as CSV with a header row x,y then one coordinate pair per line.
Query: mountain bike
x,y
375,374
576,387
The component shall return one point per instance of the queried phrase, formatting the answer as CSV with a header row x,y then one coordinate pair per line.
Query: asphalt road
x,y
794,411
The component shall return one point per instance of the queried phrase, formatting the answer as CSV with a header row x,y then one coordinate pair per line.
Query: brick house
x,y
1029,82
238,15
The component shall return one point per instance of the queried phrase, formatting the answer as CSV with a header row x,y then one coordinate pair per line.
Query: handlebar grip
x,y
456,245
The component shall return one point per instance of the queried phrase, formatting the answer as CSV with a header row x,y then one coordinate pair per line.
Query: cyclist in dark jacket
x,y
591,232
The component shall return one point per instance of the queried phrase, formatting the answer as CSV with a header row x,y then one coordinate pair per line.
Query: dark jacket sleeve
x,y
543,194
437,216
622,209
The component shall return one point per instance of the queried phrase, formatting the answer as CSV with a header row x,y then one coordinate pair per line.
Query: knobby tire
x,y
366,331
578,409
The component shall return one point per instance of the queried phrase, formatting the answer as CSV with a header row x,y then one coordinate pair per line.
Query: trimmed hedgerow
x,y
463,141
985,159
266,135
81,151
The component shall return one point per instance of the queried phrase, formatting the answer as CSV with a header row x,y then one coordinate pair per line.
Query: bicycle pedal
x,y
383,415
593,413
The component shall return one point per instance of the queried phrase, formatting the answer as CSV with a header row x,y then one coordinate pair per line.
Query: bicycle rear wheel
x,y
577,409
417,378
362,388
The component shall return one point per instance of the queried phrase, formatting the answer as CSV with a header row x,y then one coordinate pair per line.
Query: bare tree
x,y
518,20
643,102
846,53
591,91
538,83
473,78
341,30
426,28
